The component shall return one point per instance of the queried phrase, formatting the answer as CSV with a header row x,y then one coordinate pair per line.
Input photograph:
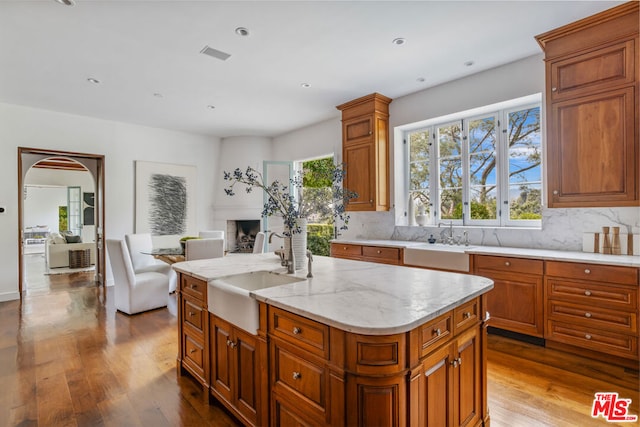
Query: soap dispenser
x,y
431,239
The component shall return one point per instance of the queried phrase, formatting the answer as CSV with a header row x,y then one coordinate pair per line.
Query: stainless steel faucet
x,y
310,256
448,240
276,234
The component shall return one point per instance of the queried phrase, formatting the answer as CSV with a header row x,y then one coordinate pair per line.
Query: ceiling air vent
x,y
215,53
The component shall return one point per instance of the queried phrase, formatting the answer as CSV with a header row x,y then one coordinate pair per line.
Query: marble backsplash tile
x,y
562,229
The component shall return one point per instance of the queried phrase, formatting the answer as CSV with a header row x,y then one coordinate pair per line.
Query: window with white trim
x,y
482,169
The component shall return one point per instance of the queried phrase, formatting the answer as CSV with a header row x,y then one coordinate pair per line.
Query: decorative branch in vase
x,y
287,200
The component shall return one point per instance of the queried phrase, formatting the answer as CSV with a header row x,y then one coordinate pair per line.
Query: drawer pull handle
x,y
192,286
231,344
466,315
587,271
507,263
297,375
587,336
344,248
587,315
587,293
193,350
191,314
379,252
437,332
554,89
296,330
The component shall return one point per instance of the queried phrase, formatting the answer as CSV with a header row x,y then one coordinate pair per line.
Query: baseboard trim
x,y
9,296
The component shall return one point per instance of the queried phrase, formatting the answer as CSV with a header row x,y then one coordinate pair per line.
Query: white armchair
x,y
135,292
203,249
139,245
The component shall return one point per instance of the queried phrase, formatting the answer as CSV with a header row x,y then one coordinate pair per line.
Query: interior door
x,y
282,171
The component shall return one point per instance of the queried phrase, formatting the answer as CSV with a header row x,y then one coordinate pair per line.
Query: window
x,y
480,169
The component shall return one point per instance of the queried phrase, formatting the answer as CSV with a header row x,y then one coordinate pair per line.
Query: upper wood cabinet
x,y
592,110
365,151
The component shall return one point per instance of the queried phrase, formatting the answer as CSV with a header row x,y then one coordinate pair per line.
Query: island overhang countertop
x,y
355,296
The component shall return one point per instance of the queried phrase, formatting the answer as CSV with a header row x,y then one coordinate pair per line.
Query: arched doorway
x,y
94,164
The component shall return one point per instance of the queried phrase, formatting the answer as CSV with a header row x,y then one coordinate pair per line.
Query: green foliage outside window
x,y
62,218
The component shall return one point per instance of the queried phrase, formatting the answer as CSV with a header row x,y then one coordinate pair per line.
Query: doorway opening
x,y
67,189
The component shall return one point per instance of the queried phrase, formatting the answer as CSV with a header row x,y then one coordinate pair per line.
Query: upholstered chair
x,y
139,246
203,249
258,245
135,292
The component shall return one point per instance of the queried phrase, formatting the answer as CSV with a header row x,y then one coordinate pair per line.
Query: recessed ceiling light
x,y
94,81
158,95
468,63
399,41
241,31
211,107
305,85
421,79
66,2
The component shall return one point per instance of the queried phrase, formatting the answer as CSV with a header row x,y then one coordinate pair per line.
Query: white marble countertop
x,y
545,254
355,296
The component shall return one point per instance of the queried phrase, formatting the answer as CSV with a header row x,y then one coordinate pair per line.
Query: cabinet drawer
x,y
195,287
596,70
595,272
434,332
381,253
193,353
593,294
284,414
302,332
466,315
509,264
613,320
345,250
301,378
602,341
193,314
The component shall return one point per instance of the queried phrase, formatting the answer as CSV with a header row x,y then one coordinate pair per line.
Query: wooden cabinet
x,y
593,307
193,327
236,370
365,151
516,302
321,375
452,385
381,254
592,70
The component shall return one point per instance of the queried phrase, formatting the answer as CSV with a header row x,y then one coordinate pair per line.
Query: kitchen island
x,y
358,344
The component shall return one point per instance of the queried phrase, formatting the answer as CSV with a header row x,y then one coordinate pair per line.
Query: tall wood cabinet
x,y
365,151
592,87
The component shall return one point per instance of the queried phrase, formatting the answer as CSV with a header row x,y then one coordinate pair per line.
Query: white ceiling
x,y
343,49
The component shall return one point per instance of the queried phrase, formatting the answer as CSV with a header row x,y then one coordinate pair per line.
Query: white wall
x,y
121,143
41,206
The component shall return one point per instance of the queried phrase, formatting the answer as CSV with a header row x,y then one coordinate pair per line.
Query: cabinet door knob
x,y
297,375
587,293
437,332
555,192
587,336
587,271
193,350
296,330
507,263
344,248
587,315
554,89
371,201
379,252
191,314
466,315
454,363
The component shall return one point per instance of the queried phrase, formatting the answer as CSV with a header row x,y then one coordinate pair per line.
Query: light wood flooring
x,y
67,358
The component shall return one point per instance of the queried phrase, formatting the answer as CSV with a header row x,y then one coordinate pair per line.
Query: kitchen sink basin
x,y
229,298
444,257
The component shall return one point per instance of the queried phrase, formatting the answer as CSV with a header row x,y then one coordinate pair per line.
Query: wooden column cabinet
x,y
516,302
592,69
365,151
193,328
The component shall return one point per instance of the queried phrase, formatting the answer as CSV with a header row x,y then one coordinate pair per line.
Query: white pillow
x,y
57,239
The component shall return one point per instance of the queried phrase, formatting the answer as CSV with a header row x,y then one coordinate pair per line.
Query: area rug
x,y
67,270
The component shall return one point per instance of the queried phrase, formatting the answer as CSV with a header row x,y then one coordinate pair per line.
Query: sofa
x,y
56,250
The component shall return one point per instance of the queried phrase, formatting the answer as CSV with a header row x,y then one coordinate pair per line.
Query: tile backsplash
x,y
562,229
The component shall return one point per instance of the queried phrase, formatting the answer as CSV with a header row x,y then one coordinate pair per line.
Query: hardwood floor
x,y
68,358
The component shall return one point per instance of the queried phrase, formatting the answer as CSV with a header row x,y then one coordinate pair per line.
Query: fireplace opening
x,y
242,235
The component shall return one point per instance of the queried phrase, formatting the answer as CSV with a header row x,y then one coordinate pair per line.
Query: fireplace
x,y
241,235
